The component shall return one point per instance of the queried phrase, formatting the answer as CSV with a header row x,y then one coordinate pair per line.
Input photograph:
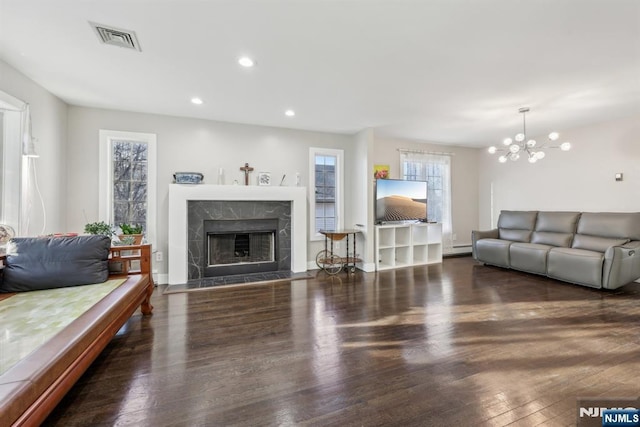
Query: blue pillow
x,y
35,263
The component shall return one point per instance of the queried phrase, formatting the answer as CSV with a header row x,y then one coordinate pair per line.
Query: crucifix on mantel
x,y
246,169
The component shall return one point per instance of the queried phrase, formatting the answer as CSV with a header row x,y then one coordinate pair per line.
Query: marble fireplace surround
x,y
242,216
181,194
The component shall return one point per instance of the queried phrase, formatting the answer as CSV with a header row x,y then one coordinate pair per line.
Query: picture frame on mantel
x,y
264,178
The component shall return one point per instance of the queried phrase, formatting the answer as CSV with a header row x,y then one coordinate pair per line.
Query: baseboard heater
x,y
458,250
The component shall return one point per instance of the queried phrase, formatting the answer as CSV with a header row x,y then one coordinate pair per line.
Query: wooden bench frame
x,y
32,388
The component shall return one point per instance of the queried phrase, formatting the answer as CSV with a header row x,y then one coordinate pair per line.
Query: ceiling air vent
x,y
116,36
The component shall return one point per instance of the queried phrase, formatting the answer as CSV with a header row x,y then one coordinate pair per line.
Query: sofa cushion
x,y
557,222
624,225
519,220
35,263
576,266
493,251
552,239
516,225
515,235
594,243
529,257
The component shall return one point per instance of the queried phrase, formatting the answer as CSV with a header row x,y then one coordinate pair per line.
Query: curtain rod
x,y
409,150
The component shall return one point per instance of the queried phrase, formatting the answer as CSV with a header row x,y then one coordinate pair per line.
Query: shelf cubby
x,y
386,237
403,235
420,254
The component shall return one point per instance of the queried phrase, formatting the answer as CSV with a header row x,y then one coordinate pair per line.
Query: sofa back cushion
x,y
595,243
516,225
519,220
624,225
555,228
515,235
552,239
35,263
557,222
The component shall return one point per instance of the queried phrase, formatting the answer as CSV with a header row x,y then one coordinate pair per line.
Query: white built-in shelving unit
x,y
403,245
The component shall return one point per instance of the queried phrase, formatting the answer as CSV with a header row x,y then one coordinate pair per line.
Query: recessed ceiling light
x,y
289,113
196,101
246,62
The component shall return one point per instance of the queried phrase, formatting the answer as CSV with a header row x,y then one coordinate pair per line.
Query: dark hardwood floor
x,y
453,344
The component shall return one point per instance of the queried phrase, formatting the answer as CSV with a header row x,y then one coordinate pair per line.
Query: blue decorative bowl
x,y
188,177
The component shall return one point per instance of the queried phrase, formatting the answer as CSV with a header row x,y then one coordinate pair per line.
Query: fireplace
x,y
240,246
189,206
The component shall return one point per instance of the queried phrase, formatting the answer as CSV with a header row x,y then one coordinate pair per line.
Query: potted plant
x,y
99,227
131,230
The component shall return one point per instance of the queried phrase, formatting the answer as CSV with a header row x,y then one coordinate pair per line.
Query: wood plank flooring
x,y
453,344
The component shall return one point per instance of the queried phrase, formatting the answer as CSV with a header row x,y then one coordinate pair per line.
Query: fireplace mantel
x,y
181,194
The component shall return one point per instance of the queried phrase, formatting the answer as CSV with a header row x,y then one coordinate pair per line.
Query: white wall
x,y
464,175
359,207
581,179
49,125
190,145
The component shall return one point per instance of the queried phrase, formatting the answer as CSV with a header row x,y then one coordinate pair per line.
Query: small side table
x,y
332,263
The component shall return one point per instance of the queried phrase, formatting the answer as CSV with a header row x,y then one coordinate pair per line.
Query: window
x,y
2,156
130,187
436,170
325,190
127,179
14,171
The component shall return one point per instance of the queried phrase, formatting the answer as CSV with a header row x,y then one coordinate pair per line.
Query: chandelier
x,y
520,145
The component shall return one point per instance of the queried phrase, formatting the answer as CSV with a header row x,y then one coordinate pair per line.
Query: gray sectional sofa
x,y
600,250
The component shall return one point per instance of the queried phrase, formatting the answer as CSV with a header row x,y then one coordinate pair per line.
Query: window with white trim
x,y
13,175
325,190
1,156
128,180
436,170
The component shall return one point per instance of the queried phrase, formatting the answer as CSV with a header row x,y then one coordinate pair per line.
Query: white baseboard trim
x,y
160,279
367,267
456,250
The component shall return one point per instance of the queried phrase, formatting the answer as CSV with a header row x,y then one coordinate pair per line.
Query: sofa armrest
x,y
482,234
621,265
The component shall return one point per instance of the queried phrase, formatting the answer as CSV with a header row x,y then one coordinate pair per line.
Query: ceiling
x,y
447,71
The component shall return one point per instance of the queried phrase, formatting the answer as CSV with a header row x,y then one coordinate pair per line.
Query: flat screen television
x,y
398,200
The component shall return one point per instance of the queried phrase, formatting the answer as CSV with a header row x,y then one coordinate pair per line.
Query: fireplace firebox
x,y
240,246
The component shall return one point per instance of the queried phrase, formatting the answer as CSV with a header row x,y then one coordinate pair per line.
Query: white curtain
x,y
434,168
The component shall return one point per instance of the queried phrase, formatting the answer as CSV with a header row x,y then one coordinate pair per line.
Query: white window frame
x,y
339,155
13,164
13,179
105,194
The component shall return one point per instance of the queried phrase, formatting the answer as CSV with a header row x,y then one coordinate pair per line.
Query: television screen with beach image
x,y
399,200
